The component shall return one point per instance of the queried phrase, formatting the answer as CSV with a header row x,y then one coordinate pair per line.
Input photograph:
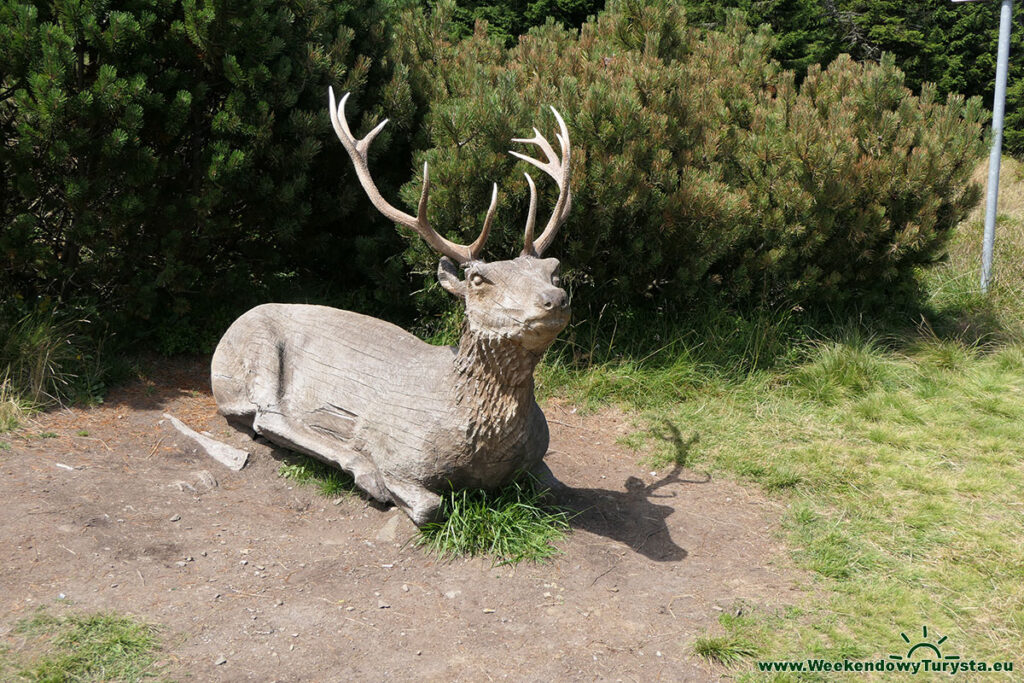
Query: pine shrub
x,y
700,167
163,160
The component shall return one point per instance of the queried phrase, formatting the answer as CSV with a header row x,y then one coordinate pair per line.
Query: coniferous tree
x,y
950,45
163,158
701,167
507,20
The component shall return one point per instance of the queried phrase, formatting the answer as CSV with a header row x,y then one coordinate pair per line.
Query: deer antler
x,y
557,168
357,150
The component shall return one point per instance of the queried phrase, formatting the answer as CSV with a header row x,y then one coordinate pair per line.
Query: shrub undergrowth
x,y
702,171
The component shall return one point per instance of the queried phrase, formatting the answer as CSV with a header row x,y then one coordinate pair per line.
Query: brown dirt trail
x,y
115,510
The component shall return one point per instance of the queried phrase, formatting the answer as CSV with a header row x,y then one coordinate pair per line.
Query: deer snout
x,y
554,299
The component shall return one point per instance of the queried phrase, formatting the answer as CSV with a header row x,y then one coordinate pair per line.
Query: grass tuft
x,y
46,359
835,370
13,408
329,481
512,524
515,523
727,650
86,648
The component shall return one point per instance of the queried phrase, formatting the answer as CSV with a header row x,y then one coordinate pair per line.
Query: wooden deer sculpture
x,y
406,419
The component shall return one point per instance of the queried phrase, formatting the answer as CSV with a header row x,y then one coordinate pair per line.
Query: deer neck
x,y
493,381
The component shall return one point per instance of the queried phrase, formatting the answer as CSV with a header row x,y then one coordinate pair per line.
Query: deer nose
x,y
554,298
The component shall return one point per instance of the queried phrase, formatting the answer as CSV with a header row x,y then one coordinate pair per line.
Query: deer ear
x,y
448,276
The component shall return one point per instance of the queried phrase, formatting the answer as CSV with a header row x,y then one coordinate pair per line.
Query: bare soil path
x,y
115,510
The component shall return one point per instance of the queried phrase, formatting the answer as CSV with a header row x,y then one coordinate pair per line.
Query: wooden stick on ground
x,y
229,456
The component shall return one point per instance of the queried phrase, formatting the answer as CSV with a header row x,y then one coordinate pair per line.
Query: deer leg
x,y
543,474
232,402
421,504
297,436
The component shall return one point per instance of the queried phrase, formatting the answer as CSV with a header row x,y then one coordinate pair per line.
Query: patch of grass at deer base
x,y
897,457
514,523
329,481
79,647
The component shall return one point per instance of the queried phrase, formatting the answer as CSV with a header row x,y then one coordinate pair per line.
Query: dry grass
x,y
954,285
13,408
1011,188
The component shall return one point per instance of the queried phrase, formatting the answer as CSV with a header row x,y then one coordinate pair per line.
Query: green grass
x,y
509,525
512,524
902,473
80,647
727,650
13,408
329,481
45,358
895,445
659,359
953,287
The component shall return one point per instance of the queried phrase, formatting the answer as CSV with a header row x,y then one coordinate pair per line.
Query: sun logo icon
x,y
925,645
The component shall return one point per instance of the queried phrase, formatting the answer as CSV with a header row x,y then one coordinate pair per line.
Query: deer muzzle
x,y
554,299
550,312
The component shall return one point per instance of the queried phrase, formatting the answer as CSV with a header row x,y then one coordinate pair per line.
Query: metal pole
x,y
998,108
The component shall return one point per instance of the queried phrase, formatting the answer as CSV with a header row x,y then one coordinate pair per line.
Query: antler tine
x,y
474,249
541,142
531,217
358,152
559,169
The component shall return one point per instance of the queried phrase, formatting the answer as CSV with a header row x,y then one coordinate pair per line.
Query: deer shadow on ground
x,y
631,517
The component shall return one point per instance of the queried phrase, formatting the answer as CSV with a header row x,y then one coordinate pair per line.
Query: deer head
x,y
518,299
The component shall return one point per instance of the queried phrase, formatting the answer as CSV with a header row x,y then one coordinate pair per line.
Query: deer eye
x,y
556,281
477,279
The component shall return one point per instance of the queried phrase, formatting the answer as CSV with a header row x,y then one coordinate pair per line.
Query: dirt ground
x,y
112,509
